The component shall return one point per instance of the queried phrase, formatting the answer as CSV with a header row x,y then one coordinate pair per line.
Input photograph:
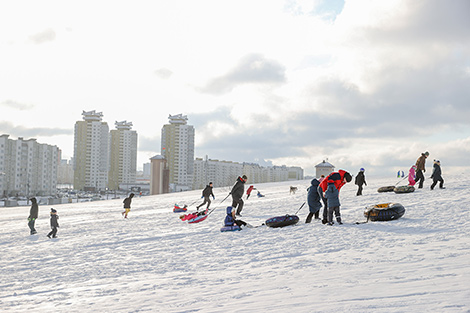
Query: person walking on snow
x,y
206,193
412,176
332,197
360,180
437,175
248,192
421,166
237,194
33,215
339,179
54,224
127,205
313,200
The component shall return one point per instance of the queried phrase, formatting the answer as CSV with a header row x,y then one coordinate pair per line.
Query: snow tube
x,y
178,209
281,221
384,212
230,228
197,219
386,189
404,189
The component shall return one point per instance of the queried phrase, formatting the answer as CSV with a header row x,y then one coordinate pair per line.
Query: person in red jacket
x,y
248,192
339,179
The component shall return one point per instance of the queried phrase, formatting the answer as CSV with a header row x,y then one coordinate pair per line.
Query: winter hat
x,y
53,210
426,153
348,177
437,161
362,169
244,177
229,210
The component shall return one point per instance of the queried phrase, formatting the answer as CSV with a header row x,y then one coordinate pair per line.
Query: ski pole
x,y
300,208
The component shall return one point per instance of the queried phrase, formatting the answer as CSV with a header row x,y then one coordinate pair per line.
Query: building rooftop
x,y
324,164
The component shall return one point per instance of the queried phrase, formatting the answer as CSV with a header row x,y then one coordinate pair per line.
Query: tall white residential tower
x,y
123,157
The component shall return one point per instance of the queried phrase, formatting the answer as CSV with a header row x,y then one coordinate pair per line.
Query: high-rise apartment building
x,y
178,149
27,168
123,156
91,152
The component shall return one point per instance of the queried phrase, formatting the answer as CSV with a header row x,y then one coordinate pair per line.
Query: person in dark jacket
x,y
332,196
230,218
206,193
127,205
339,179
437,175
33,215
360,180
421,168
313,200
54,224
237,193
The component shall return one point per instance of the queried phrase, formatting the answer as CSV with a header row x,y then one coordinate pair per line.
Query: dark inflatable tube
x,y
404,189
230,228
384,212
386,189
281,221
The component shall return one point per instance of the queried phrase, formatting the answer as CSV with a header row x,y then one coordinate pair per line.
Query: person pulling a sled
x,y
237,194
248,191
206,193
313,200
54,224
421,168
127,205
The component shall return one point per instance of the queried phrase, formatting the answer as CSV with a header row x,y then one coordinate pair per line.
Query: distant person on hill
x,y
437,175
206,193
421,166
33,215
237,194
259,195
339,179
313,200
412,176
54,224
332,197
127,205
360,180
249,190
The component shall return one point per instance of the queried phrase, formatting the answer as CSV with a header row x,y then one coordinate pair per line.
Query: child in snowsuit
x,y
54,224
206,193
127,205
412,176
33,215
360,180
313,200
230,219
332,197
436,175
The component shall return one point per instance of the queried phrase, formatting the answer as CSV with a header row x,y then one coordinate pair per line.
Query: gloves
x,y
213,198
202,197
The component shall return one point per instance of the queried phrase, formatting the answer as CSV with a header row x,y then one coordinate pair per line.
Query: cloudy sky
x,y
363,83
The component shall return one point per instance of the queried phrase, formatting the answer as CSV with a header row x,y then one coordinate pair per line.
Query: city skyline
x,y
363,83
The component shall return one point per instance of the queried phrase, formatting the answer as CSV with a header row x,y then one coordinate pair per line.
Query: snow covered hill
x,y
154,262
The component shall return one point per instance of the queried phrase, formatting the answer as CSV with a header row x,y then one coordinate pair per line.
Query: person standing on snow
x,y
206,193
360,180
33,215
332,197
421,166
237,193
248,192
54,224
412,176
437,175
127,205
339,179
313,200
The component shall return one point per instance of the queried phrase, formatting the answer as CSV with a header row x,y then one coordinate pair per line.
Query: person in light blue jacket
x,y
332,197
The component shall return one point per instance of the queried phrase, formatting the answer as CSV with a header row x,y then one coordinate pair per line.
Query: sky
x,y
361,83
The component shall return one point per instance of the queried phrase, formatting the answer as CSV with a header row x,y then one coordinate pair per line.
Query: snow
x,y
154,262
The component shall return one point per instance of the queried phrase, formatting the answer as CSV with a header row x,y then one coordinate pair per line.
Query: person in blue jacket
x,y
313,200
231,220
332,197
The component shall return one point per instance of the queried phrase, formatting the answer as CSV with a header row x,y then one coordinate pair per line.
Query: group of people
x,y
416,173
33,215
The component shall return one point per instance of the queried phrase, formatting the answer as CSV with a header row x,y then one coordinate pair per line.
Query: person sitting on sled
x,y
231,220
